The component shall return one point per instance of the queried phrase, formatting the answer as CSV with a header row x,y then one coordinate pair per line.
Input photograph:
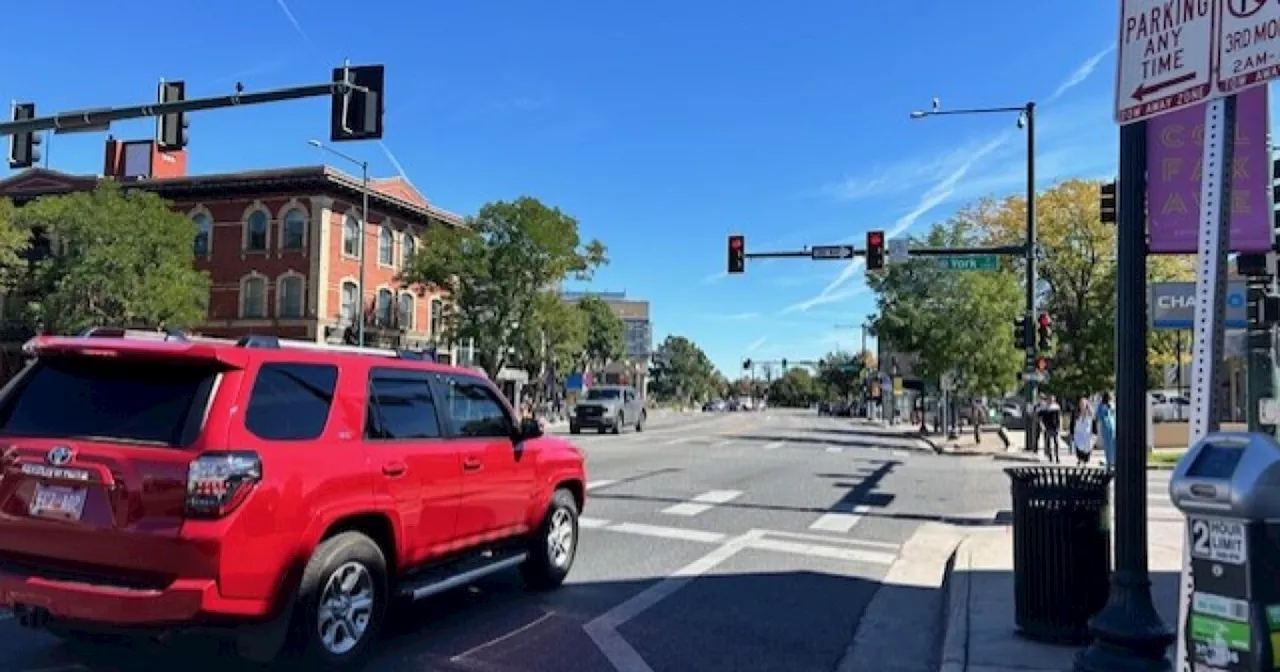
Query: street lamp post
x,y
1026,119
364,220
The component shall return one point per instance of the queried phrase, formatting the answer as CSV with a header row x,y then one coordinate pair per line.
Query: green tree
x,y
553,339
682,372
605,333
796,387
840,374
495,268
14,241
120,257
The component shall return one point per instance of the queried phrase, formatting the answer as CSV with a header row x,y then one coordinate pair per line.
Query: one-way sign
x,y
831,252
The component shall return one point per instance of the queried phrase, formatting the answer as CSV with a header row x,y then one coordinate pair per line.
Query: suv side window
x,y
401,406
630,396
290,401
474,409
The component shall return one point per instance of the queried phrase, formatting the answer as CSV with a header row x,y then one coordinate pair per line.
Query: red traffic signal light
x,y
1042,363
875,238
737,254
875,250
1044,320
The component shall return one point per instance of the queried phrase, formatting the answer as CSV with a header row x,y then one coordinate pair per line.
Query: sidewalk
x,y
979,634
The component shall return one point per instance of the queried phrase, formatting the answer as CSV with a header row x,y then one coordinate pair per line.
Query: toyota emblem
x,y
59,456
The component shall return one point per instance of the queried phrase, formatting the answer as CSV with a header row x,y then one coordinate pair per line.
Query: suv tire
x,y
344,586
622,420
554,545
640,423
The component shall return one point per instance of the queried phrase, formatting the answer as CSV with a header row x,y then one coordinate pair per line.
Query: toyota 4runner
x,y
280,494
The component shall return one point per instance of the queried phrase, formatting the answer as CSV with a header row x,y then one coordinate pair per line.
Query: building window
x,y
437,307
350,301
291,296
253,297
384,307
255,235
351,236
293,232
404,315
407,250
386,246
204,231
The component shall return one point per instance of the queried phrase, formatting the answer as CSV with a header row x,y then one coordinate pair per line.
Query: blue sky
x,y
663,126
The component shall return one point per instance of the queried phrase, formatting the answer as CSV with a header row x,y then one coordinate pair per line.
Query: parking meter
x,y
1228,485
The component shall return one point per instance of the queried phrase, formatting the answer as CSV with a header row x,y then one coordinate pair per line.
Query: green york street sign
x,y
969,262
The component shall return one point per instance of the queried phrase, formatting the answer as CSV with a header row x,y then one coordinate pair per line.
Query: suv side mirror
x,y
530,428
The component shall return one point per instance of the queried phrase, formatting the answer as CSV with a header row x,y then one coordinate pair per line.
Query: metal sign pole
x,y
1211,283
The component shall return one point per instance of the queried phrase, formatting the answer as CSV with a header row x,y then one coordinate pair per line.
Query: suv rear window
x,y
110,400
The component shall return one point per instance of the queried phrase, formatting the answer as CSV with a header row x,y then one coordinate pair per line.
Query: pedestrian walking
x,y
1051,422
1106,420
1082,432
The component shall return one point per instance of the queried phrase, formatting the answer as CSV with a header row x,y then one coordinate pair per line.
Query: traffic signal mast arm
x,y
100,118
1008,250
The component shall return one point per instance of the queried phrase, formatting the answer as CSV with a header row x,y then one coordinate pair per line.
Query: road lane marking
x,y
721,444
676,442
662,532
883,545
817,551
592,522
834,449
839,521
502,638
702,503
775,445
603,629
603,483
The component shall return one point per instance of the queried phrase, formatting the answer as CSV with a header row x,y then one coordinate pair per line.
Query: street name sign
x,y
898,252
970,262
1177,53
831,252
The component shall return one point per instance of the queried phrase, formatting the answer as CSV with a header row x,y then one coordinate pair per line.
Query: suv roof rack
x,y
275,342
166,334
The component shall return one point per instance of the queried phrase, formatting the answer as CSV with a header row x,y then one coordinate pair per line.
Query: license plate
x,y
56,501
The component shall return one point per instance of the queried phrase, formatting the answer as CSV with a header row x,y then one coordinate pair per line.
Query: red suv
x,y
279,493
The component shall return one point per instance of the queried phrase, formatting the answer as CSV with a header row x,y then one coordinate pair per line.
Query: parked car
x,y
1169,407
608,408
278,494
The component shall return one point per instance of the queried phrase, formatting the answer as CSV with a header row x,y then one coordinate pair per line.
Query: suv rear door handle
x,y
394,469
471,464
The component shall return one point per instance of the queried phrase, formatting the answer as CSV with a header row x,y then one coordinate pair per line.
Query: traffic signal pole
x,y
1029,114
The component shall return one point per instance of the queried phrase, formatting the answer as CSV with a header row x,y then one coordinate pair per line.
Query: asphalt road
x,y
711,542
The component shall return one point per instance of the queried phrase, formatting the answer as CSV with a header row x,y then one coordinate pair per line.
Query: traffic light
x,y
784,366
356,114
875,250
1044,332
24,149
1107,203
737,254
171,129
1042,364
746,364
1020,340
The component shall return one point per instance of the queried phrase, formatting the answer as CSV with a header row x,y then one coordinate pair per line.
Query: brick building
x,y
280,246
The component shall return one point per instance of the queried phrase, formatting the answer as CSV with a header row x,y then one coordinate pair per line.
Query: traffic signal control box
x,y
875,250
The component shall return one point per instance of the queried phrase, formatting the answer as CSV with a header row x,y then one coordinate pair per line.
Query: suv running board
x,y
441,580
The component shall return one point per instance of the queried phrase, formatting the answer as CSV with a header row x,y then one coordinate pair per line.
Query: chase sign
x,y
1173,305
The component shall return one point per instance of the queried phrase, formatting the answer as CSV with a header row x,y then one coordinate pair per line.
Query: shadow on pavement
x,y
747,618
846,443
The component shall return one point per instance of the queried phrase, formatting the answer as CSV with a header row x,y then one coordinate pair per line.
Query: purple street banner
x,y
1174,148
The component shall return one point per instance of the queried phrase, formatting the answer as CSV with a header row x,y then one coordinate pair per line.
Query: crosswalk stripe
x,y
775,445
603,483
838,521
702,503
834,449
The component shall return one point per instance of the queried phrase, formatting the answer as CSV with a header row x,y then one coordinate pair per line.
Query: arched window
x,y
384,307
437,307
350,301
253,297
204,232
293,230
408,247
292,298
351,236
386,246
404,312
255,237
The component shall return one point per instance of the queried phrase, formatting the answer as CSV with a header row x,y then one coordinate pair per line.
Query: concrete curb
x,y
954,656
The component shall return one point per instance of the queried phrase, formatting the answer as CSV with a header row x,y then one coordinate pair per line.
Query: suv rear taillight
x,y
217,483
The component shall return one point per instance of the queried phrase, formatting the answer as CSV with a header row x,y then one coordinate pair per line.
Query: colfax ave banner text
x,y
1176,53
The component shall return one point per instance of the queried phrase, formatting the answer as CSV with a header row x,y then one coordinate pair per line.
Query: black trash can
x,y
1061,550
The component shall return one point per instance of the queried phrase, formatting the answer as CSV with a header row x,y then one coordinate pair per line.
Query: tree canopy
x,y
681,371
796,388
496,268
118,257
963,321
841,374
605,333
